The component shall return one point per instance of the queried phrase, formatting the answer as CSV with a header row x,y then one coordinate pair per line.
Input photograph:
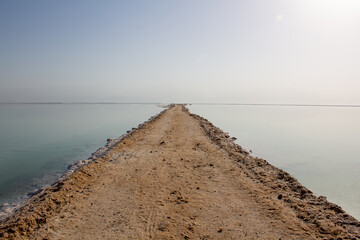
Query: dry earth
x,y
178,177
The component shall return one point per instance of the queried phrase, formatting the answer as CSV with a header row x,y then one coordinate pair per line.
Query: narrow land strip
x,y
179,177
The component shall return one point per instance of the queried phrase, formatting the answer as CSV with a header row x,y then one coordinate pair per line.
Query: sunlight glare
x,y
338,7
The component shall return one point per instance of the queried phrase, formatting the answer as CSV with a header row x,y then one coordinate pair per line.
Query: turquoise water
x,y
320,146
39,141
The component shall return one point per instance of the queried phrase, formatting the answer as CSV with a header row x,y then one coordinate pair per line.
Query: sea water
x,y
318,145
39,141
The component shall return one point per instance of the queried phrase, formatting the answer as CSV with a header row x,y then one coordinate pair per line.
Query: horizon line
x,y
197,103
282,104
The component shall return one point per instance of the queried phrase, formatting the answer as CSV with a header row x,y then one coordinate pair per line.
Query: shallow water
x,y
319,146
39,141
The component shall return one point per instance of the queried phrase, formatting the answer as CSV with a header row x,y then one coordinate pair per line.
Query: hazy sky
x,y
255,51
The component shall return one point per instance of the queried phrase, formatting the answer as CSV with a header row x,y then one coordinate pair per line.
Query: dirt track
x,y
179,177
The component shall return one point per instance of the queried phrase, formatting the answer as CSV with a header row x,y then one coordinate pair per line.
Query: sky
x,y
255,51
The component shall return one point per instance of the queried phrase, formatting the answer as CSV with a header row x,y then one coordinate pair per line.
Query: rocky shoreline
x,y
271,186
111,143
316,212
10,209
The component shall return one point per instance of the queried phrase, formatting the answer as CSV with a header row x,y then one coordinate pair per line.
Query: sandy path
x,y
167,180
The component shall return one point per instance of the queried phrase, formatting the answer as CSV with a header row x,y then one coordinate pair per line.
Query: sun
x,y
279,17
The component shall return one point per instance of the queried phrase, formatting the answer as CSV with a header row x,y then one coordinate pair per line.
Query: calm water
x,y
39,141
320,146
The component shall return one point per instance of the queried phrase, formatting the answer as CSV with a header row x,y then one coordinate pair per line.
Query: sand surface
x,y
178,177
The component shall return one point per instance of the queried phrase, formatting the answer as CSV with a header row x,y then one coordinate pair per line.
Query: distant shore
x,y
179,176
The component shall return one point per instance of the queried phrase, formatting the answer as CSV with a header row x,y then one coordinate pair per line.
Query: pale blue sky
x,y
255,51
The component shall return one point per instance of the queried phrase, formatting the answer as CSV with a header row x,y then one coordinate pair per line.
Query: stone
x,y
162,226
